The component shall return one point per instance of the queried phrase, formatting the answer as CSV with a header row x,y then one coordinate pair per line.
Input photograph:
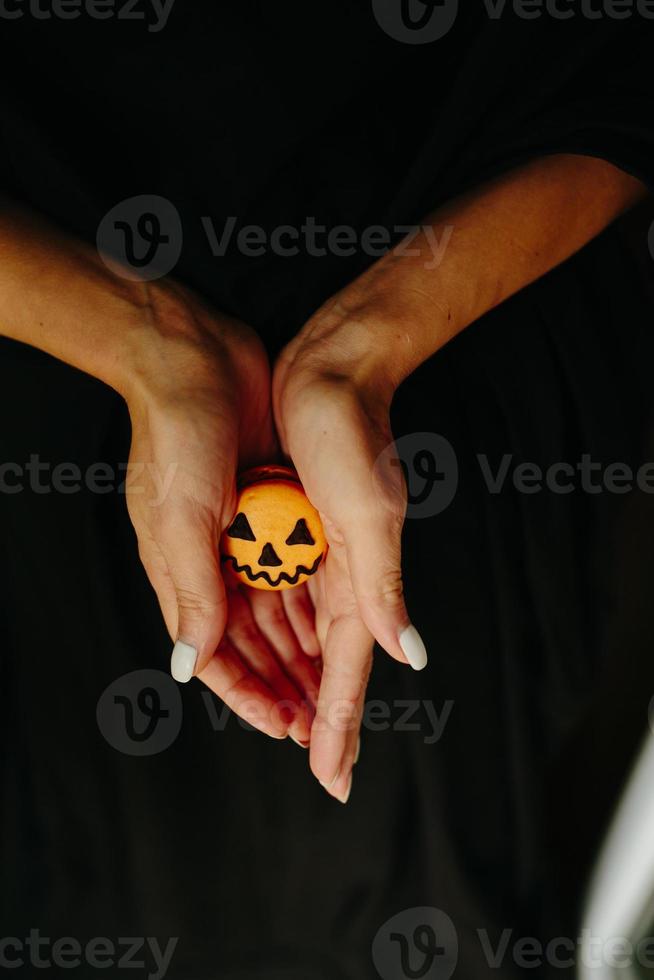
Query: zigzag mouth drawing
x,y
282,577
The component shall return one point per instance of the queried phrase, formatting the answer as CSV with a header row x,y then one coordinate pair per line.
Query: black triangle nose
x,y
269,556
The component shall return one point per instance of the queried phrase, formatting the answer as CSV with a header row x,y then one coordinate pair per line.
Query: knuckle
x,y
193,601
395,504
276,617
355,679
389,591
247,634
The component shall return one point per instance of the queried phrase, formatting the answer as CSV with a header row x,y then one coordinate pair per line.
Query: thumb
x,y
373,541
189,546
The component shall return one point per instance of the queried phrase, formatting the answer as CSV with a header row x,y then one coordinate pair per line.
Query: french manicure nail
x,y
348,789
413,648
358,751
182,662
303,745
328,786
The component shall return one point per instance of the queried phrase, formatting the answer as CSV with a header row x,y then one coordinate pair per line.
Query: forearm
x,y
57,294
502,236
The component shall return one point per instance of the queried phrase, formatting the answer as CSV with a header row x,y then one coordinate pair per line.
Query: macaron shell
x,y
274,510
270,471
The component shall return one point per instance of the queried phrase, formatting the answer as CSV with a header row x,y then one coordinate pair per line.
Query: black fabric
x,y
528,604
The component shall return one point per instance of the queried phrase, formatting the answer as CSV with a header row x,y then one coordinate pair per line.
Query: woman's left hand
x,y
333,386
332,391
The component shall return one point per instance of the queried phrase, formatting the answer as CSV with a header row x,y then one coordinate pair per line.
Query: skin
x,y
198,388
197,385
334,383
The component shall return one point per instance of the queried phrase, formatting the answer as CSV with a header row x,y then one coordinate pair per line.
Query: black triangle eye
x,y
300,534
240,528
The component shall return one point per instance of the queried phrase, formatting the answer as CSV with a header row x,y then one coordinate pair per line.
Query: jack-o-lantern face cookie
x,y
276,540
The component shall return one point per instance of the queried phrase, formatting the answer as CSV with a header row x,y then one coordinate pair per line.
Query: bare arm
x,y
500,237
334,383
197,386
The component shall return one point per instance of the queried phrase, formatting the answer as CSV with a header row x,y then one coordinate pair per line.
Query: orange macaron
x,y
276,539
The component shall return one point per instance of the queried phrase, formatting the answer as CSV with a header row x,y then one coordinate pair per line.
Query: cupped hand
x,y
199,402
332,390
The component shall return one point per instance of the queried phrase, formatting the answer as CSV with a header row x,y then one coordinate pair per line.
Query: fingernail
x,y
346,794
413,648
358,752
303,745
328,786
182,662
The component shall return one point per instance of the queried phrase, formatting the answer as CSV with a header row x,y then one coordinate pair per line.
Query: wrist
x,y
172,347
381,327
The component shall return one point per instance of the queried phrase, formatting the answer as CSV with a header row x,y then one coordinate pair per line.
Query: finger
x,y
316,586
313,588
372,534
362,506
187,538
156,569
301,614
270,617
245,693
335,732
255,651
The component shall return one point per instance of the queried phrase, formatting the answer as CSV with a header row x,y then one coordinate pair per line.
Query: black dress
x,y
535,607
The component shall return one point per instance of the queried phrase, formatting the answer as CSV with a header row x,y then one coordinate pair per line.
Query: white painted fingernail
x,y
182,662
328,786
413,648
358,752
348,789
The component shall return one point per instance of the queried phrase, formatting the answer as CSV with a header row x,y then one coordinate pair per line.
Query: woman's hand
x,y
332,392
333,386
196,385
198,392
199,400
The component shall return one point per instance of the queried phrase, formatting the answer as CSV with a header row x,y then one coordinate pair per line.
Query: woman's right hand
x,y
197,384
199,401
